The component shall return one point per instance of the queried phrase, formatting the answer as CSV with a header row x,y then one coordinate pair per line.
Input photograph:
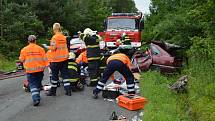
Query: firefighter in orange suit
x,y
117,62
82,58
82,61
58,62
35,61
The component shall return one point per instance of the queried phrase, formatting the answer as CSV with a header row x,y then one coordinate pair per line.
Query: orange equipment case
x,y
132,102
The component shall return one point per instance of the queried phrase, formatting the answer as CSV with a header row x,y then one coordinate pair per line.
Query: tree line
x,y
191,24
19,18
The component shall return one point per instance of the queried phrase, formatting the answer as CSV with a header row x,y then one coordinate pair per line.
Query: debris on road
x,y
180,84
114,117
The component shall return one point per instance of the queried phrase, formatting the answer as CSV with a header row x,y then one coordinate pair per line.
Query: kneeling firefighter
x,y
121,63
93,55
83,64
74,72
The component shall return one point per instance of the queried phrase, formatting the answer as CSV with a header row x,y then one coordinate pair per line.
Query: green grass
x,y
164,104
201,91
6,65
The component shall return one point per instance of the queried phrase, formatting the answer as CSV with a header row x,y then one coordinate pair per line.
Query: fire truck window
x,y
121,24
155,51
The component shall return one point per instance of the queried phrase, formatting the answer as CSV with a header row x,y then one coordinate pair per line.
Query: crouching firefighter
x,y
117,62
83,65
74,73
35,61
93,55
59,61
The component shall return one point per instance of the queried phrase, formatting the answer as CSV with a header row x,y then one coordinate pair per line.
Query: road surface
x,y
16,105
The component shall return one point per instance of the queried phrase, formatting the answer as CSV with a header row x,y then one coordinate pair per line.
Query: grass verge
x,y
164,104
6,65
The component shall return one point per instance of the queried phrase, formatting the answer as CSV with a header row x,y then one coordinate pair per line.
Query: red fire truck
x,y
119,23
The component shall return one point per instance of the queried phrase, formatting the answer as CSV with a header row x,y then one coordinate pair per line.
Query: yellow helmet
x,y
71,56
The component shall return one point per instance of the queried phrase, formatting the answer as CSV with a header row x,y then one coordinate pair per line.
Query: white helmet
x,y
88,31
124,34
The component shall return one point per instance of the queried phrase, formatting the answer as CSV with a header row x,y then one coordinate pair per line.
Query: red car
x,y
159,56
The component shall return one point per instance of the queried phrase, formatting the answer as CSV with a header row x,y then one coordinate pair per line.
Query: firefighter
x,y
82,61
117,62
35,61
59,62
93,55
125,39
74,73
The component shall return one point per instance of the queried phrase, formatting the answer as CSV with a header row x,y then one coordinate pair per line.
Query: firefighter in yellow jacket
x,y
93,55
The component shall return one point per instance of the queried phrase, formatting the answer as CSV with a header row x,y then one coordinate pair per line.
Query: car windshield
x,y
155,51
121,23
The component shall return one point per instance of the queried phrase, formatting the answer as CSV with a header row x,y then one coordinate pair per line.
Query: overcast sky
x,y
142,5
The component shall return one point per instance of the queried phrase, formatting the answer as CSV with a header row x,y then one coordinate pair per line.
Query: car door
x,y
160,57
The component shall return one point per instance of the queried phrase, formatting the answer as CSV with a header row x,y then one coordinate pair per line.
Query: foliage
x,y
6,65
19,18
190,24
18,22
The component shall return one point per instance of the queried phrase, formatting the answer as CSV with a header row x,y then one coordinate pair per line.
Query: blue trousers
x,y
35,80
117,65
61,67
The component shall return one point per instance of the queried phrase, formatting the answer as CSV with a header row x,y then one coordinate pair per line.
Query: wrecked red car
x,y
160,56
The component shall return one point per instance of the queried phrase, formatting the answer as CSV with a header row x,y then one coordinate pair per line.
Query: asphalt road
x,y
16,105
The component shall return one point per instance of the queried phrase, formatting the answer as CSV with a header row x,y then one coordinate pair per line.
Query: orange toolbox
x,y
132,102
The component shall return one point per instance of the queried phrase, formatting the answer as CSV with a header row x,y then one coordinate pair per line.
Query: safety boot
x,y
73,86
68,93
51,92
36,103
95,93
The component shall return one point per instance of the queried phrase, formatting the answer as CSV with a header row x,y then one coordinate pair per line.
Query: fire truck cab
x,y
118,23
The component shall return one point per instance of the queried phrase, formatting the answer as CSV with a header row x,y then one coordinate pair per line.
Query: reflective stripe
x,y
94,58
92,46
62,47
53,85
102,58
34,89
36,68
99,87
54,82
60,57
35,59
93,80
35,93
130,85
73,80
66,84
65,80
130,90
72,67
102,67
73,63
100,83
